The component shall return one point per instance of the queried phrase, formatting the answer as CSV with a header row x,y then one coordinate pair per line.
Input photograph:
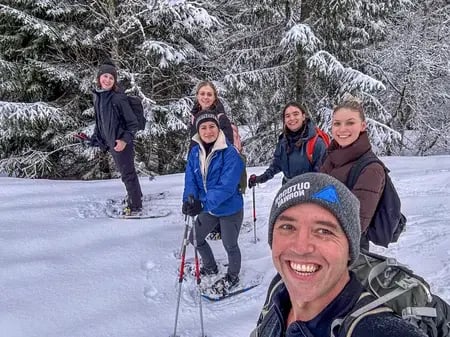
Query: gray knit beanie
x,y
206,116
107,67
326,191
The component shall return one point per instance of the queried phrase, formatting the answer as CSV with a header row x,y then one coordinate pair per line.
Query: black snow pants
x,y
124,161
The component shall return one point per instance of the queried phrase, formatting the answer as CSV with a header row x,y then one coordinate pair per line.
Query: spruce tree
x,y
49,53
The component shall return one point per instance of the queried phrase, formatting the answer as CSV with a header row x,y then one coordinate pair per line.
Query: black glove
x,y
184,208
192,208
254,179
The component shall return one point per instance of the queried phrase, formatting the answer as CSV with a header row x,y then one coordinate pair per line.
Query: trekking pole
x,y
254,216
197,270
181,272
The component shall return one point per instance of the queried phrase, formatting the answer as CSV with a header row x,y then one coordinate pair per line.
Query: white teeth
x,y
304,268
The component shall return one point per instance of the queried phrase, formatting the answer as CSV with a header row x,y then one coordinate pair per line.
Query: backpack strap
x,y
360,165
310,144
347,325
273,287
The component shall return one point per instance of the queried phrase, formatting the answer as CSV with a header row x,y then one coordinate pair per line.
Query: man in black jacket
x,y
314,234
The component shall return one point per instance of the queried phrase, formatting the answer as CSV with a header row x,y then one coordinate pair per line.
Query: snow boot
x,y
223,285
128,211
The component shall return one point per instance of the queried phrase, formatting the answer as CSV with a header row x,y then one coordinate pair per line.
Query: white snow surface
x,y
67,270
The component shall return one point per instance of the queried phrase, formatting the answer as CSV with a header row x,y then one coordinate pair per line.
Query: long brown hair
x,y
208,84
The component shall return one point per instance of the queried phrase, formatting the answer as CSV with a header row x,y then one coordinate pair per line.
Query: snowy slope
x,y
67,270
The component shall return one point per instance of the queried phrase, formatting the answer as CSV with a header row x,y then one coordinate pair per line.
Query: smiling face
x,y
208,132
206,96
106,81
293,118
347,125
311,252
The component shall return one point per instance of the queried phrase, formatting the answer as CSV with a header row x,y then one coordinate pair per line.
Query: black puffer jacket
x,y
114,119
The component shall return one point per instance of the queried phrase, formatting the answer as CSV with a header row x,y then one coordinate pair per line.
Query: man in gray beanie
x,y
314,234
325,191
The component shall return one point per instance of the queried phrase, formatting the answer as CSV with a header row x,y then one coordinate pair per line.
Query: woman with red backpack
x,y
300,149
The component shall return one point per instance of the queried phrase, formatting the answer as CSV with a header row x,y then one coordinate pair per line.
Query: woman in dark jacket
x,y
350,142
206,98
115,126
290,155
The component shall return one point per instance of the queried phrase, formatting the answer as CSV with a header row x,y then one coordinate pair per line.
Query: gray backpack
x,y
393,287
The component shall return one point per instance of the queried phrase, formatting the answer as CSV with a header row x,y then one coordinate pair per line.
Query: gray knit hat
x,y
107,67
326,191
205,116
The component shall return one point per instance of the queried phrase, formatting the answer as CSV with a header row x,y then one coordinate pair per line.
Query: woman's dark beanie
x,y
206,116
107,67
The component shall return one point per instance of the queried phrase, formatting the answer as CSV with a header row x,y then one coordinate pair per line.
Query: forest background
x,y
261,54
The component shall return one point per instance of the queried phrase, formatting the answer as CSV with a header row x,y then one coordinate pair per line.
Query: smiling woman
x,y
350,143
115,126
211,192
207,98
291,156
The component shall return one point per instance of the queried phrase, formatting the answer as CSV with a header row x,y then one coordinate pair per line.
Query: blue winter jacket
x,y
296,162
214,179
273,319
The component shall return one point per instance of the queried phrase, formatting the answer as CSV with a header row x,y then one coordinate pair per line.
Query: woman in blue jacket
x,y
290,155
212,179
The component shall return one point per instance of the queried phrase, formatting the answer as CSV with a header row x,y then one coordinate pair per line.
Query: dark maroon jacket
x,y
370,184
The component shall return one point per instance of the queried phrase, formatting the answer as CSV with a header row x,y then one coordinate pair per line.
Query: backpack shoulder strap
x,y
360,165
347,325
310,144
273,288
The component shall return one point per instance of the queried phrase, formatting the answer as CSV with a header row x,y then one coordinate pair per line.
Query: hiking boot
x,y
208,271
128,211
225,284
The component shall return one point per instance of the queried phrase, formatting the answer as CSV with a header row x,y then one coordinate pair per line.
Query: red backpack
x,y
312,143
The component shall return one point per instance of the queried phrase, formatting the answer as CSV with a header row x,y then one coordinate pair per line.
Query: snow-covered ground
x,y
67,270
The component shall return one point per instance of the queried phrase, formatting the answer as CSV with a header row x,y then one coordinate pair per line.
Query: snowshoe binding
x,y
225,284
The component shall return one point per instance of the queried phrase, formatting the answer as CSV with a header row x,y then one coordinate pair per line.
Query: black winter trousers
x,y
124,161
